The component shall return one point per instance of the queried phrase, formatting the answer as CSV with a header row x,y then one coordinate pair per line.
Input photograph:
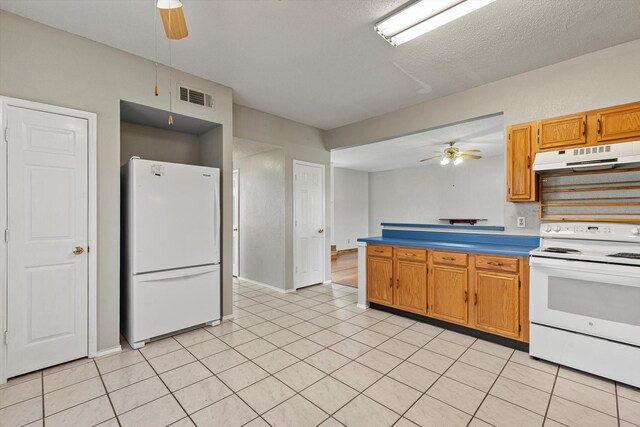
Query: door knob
x,y
321,231
78,250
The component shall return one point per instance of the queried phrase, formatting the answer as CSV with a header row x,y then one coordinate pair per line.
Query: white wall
x,y
350,207
47,65
599,79
158,144
262,217
424,194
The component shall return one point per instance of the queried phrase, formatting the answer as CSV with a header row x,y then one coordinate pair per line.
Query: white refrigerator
x,y
171,258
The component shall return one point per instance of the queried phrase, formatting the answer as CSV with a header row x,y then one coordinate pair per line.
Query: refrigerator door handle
x,y
177,273
217,229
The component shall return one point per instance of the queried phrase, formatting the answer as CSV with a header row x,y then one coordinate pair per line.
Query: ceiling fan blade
x,y
470,156
470,151
431,158
175,26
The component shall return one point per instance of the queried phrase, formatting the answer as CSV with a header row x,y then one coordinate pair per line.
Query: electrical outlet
x,y
521,222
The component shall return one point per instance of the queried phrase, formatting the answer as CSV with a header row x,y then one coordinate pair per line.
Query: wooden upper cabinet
x,y
497,303
411,286
563,131
617,123
521,182
380,280
449,293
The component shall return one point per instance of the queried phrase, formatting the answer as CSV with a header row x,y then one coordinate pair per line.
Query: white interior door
x,y
236,224
48,233
309,241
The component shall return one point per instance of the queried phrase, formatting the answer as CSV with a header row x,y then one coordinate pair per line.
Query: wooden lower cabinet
x,y
411,286
380,280
497,303
449,293
479,291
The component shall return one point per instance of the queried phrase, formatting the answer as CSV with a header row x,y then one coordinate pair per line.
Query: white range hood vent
x,y
588,158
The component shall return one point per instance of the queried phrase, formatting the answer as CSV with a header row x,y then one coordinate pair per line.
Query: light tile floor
x,y
313,358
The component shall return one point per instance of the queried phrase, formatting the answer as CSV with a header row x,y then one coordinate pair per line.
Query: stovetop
x,y
590,242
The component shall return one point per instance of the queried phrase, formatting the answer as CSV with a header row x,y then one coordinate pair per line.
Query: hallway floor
x,y
313,358
344,270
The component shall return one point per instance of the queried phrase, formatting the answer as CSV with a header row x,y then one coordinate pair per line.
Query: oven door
x,y
597,299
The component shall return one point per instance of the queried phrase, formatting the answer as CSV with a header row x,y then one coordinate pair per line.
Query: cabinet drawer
x,y
450,258
379,250
411,254
497,263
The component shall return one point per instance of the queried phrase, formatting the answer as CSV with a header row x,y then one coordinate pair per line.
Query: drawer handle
x,y
391,282
465,296
448,258
475,298
379,251
408,254
499,264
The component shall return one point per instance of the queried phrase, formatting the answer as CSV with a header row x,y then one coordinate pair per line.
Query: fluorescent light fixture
x,y
168,4
445,161
424,16
457,161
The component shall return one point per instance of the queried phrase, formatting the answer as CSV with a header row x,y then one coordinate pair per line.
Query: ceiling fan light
x,y
168,4
445,161
458,160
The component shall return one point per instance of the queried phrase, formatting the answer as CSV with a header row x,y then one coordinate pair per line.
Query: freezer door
x,y
169,301
175,215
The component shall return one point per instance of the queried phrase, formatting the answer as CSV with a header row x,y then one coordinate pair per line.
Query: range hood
x,y
588,158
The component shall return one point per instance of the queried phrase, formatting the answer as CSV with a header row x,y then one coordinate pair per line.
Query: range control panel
x,y
591,230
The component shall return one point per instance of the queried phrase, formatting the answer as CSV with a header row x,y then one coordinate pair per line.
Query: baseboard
x,y
274,288
327,282
227,317
107,352
347,251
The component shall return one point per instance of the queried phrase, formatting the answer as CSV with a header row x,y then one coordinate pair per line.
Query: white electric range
x,y
585,298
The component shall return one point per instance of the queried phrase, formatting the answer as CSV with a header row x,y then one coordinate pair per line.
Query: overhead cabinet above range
x,y
591,128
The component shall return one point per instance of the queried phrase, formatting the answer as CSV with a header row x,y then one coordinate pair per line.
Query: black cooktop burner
x,y
625,255
561,250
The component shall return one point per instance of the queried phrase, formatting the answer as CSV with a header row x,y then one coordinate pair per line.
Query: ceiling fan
x,y
175,26
453,154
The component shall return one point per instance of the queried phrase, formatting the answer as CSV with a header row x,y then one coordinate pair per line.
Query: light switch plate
x,y
521,222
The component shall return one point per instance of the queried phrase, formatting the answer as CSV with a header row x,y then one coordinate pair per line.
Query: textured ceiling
x,y
485,134
320,62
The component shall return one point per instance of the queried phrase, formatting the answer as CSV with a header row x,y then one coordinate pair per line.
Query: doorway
x,y
236,223
308,224
50,236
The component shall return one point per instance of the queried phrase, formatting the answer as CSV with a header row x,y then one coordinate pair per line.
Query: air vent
x,y
197,97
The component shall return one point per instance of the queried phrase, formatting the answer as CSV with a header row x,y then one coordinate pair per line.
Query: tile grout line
x,y
222,381
107,394
438,379
167,387
487,394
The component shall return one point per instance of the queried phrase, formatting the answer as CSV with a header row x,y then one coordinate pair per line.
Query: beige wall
x,y
603,78
158,144
300,142
42,64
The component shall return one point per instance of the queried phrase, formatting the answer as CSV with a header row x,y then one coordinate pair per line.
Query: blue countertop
x,y
501,244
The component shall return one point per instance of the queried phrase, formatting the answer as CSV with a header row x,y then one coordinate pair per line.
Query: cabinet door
x,y
520,176
411,286
448,296
497,303
563,132
380,280
619,123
